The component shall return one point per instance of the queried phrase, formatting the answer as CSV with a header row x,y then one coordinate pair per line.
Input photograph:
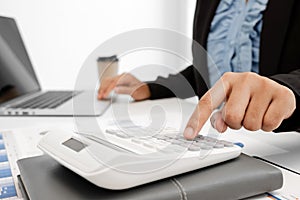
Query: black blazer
x,y
279,54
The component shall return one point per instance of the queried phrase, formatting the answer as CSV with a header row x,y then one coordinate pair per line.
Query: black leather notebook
x,y
42,178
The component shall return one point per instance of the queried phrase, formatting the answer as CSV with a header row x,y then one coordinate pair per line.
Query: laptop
x,y
20,91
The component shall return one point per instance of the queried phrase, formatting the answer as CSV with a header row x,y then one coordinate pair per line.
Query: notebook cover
x,y
44,178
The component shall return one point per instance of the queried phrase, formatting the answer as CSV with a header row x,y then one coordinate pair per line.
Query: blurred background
x,y
60,34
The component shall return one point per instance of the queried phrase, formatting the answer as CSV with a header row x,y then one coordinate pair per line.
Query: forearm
x,y
181,85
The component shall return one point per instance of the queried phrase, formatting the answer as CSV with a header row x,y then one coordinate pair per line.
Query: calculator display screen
x,y
74,144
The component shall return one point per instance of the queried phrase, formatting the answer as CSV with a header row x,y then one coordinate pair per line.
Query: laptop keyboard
x,y
47,100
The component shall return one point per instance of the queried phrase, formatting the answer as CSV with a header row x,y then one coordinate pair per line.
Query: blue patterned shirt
x,y
234,37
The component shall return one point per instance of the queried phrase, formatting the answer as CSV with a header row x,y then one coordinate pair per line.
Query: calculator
x,y
123,158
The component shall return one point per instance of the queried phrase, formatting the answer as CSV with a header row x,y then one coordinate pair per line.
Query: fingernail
x,y
189,132
213,122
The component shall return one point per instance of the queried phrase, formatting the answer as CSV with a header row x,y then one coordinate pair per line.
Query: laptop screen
x,y
17,76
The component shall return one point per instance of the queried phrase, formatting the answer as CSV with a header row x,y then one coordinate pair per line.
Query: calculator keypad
x,y
168,140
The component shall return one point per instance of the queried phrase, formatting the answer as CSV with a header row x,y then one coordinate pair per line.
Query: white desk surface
x,y
176,113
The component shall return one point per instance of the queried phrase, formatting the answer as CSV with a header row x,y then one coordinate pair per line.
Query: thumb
x,y
217,121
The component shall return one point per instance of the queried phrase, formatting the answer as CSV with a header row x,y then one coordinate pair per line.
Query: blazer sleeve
x,y
181,85
292,81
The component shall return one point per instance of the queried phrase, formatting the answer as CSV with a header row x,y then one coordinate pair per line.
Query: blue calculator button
x,y
239,144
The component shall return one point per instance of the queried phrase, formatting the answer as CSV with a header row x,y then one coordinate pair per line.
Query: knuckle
x,y
264,84
233,119
248,77
270,123
288,98
230,117
286,93
227,75
251,124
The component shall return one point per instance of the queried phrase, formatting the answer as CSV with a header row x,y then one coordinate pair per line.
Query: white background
x,y
60,34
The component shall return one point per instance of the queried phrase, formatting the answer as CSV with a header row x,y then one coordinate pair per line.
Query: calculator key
x,y
209,143
176,142
239,144
194,148
218,145
226,143
199,144
170,136
186,143
110,131
122,135
199,137
205,146
183,139
161,137
161,142
210,139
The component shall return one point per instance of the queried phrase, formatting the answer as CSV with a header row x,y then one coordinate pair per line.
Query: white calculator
x,y
125,158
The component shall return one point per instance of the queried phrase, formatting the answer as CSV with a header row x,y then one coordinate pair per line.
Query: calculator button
x,y
175,142
239,144
199,137
171,137
110,131
194,148
161,142
185,145
183,140
226,143
205,146
209,143
162,137
218,145
210,139
122,135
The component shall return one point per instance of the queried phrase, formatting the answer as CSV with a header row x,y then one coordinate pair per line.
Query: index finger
x,y
107,86
211,100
